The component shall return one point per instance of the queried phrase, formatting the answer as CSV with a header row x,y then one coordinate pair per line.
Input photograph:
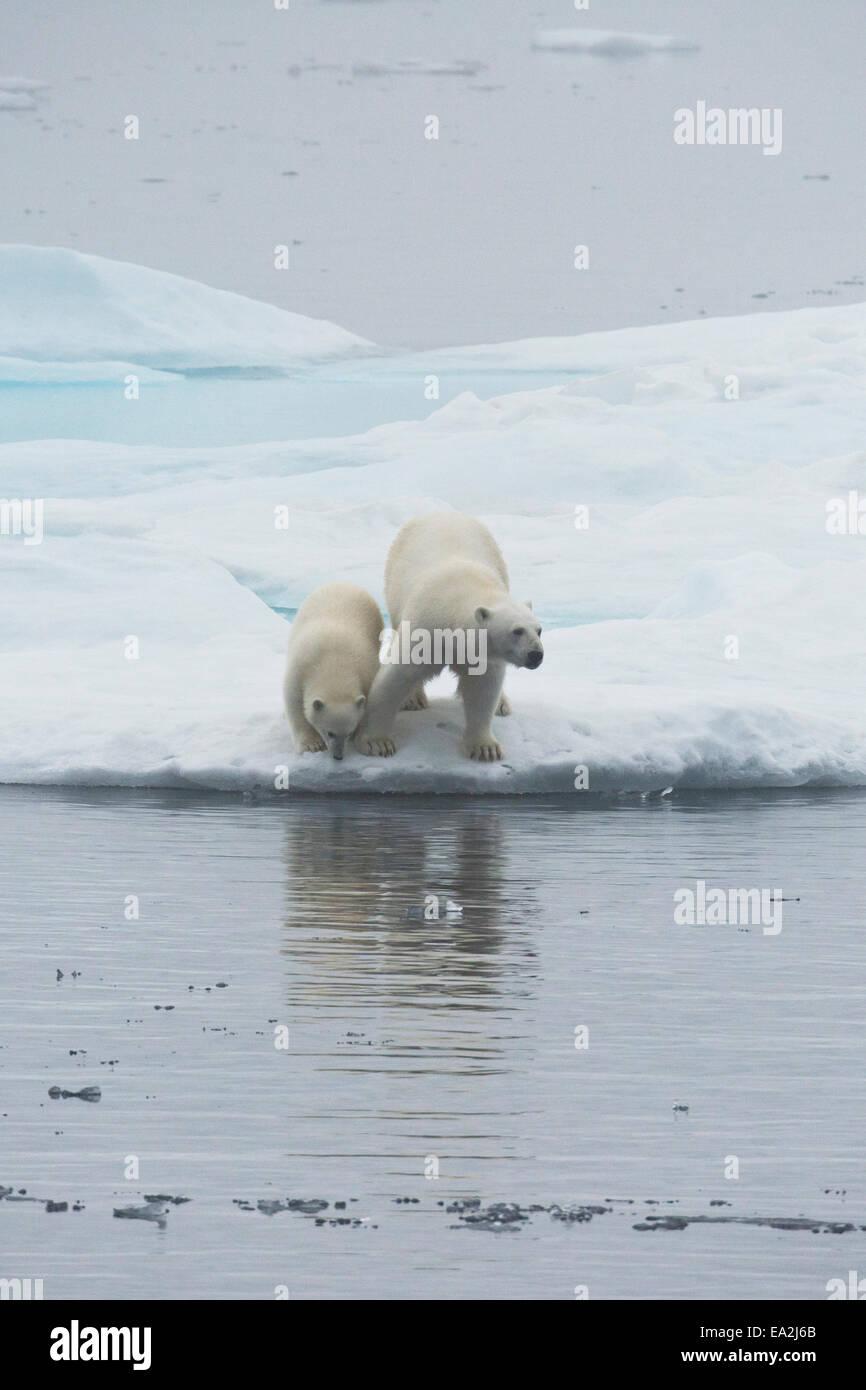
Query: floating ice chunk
x,y
609,43
16,101
457,67
20,93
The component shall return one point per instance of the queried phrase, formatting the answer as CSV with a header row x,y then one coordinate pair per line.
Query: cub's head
x,y
513,634
335,720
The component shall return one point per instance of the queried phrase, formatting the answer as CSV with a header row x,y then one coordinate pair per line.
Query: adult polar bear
x,y
445,573
332,658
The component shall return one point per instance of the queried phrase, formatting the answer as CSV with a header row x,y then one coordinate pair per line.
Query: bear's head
x,y
513,634
335,720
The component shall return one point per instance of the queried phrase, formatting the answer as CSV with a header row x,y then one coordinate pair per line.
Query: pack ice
x,y
685,515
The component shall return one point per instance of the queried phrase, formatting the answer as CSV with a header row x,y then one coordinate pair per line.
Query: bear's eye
x,y
330,735
518,632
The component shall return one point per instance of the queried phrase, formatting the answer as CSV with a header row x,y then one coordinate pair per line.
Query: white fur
x,y
332,658
445,571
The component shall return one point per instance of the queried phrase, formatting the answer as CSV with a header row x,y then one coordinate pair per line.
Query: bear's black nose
x,y
534,659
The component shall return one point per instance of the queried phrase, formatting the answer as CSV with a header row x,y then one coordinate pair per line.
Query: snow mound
x,y
58,305
645,386
729,587
609,43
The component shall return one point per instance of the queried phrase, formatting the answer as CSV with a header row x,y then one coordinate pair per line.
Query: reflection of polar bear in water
x,y
445,573
332,658
355,927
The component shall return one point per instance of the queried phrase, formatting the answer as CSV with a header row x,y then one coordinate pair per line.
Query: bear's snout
x,y
534,659
338,744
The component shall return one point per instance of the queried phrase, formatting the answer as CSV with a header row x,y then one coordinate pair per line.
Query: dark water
x,y
260,129
420,1044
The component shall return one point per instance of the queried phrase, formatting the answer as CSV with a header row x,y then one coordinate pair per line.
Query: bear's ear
x,y
529,604
318,705
360,702
482,615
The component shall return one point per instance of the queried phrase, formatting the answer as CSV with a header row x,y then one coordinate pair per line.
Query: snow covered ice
x,y
666,511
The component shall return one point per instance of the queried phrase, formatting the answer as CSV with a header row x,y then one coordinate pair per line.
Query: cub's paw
x,y
311,743
417,700
486,750
503,707
375,746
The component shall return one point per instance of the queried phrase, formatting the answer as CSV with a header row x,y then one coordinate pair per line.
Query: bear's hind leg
x,y
504,707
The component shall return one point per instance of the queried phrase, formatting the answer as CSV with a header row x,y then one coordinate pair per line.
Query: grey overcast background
x,y
256,131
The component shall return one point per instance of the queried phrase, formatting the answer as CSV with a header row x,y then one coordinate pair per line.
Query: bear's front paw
x,y
376,745
486,750
311,743
503,708
416,701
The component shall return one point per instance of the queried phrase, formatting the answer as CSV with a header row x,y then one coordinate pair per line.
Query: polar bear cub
x,y
445,574
332,658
